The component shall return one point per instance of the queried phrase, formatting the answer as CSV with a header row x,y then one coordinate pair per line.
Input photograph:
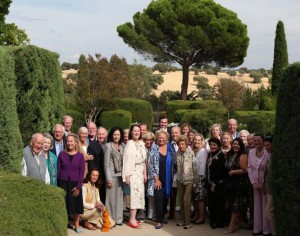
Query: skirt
x,y
200,191
74,204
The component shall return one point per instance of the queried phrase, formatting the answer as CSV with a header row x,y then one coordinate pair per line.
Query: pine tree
x,y
280,57
286,155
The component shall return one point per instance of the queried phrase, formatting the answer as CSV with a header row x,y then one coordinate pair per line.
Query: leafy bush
x,y
173,106
29,207
10,137
257,121
256,75
119,118
243,70
40,97
163,68
141,110
231,73
68,66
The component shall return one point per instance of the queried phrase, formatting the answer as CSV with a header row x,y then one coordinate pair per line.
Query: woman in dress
x,y
199,194
257,162
236,173
51,159
83,135
70,173
113,165
93,208
215,177
134,172
160,175
186,179
214,132
226,140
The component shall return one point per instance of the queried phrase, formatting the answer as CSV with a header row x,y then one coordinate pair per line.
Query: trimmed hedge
x,y
141,110
29,207
257,121
119,118
286,156
10,137
173,106
40,98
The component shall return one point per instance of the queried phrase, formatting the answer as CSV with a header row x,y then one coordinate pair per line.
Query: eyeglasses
x,y
58,132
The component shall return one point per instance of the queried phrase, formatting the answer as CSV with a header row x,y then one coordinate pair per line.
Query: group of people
x,y
225,177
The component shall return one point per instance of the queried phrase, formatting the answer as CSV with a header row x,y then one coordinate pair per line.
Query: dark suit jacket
x,y
96,150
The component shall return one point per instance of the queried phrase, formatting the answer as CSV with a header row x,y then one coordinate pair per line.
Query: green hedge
x,y
10,136
40,98
119,118
141,110
286,156
257,121
173,106
29,207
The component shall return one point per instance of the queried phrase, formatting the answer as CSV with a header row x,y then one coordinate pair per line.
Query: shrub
x,y
40,98
256,75
257,121
141,110
231,73
10,136
286,155
173,106
29,207
119,118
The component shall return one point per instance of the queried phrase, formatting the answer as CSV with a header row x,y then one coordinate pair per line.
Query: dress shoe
x,y
158,226
137,226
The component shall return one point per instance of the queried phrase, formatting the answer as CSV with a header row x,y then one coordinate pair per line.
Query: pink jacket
x,y
256,172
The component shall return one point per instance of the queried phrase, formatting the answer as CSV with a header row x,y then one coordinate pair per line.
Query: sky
x,y
74,27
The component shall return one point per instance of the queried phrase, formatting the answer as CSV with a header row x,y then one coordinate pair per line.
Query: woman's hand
x,y
231,173
212,188
75,192
127,180
109,184
90,157
157,184
100,206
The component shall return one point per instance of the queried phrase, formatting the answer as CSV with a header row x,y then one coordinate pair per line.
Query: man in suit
x,y
59,139
232,128
95,149
34,162
173,148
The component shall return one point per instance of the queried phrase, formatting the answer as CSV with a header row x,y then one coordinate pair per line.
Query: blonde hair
x,y
149,135
77,148
47,135
214,126
182,138
202,143
159,132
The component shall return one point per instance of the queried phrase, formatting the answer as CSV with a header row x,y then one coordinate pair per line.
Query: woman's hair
x,y
244,131
159,132
126,131
149,135
202,143
216,141
131,128
185,125
226,133
47,135
76,140
111,134
82,130
88,177
213,126
242,147
182,138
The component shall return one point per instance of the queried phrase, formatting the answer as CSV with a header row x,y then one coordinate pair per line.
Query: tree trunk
x,y
185,80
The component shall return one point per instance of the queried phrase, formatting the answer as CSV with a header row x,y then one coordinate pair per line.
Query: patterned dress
x,y
137,187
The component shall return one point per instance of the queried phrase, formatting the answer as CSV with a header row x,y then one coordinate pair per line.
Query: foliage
x,y
187,32
257,121
231,73
205,90
229,92
141,110
68,66
163,68
286,156
40,98
202,119
256,75
118,117
10,34
10,137
280,57
173,106
31,207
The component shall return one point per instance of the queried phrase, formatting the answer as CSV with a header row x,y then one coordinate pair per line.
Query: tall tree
x,y
10,34
188,32
280,57
286,155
